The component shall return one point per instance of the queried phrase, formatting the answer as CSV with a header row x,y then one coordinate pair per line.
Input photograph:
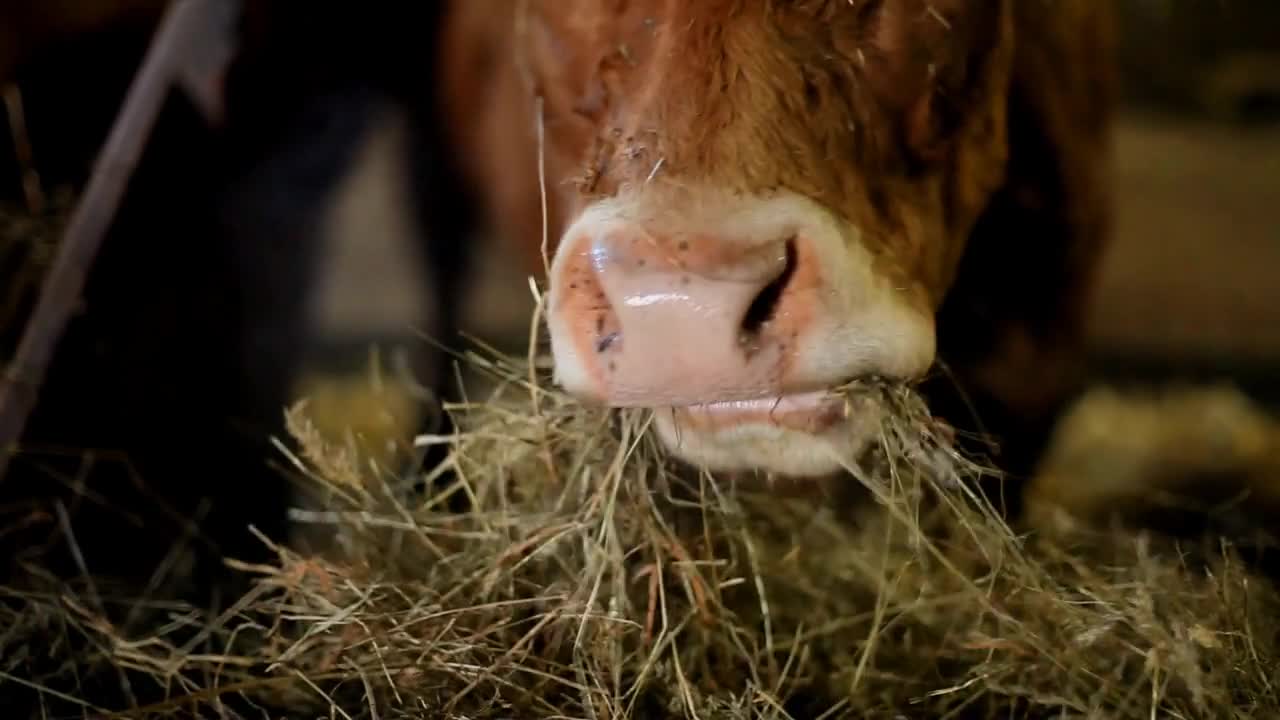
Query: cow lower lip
x,y
811,412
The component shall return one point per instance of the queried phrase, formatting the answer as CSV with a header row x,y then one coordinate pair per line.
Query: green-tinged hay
x,y
565,569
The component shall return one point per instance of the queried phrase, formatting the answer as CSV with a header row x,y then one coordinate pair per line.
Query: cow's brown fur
x,y
966,140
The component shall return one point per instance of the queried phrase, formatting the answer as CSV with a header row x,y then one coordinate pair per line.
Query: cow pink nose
x,y
657,321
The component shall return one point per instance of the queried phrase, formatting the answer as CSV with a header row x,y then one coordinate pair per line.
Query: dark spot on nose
x,y
683,245
641,262
606,342
600,323
573,286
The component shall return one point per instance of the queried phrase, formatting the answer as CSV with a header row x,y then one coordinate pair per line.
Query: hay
x,y
567,570
1176,451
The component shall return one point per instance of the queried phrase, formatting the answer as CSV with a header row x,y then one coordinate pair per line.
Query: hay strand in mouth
x,y
565,568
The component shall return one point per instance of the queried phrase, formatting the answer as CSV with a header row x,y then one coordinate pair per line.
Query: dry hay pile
x,y
565,570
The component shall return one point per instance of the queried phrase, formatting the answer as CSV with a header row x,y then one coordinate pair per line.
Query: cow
x,y
735,205
741,204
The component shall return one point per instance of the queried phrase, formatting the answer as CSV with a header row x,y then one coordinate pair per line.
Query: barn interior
x,y
1184,393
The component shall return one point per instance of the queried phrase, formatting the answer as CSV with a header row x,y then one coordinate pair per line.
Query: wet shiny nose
x,y
649,320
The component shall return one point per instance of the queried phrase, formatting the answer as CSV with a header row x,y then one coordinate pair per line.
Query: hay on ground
x,y
564,569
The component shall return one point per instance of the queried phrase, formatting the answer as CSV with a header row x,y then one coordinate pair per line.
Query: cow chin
x,y
827,441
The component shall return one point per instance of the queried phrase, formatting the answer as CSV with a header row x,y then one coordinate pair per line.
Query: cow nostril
x,y
606,341
765,305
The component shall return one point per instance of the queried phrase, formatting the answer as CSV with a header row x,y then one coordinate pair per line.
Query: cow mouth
x,y
810,434
807,412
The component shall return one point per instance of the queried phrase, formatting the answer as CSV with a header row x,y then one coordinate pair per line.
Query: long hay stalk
x,y
565,568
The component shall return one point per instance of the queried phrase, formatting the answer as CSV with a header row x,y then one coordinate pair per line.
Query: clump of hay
x,y
558,566
370,412
1173,455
